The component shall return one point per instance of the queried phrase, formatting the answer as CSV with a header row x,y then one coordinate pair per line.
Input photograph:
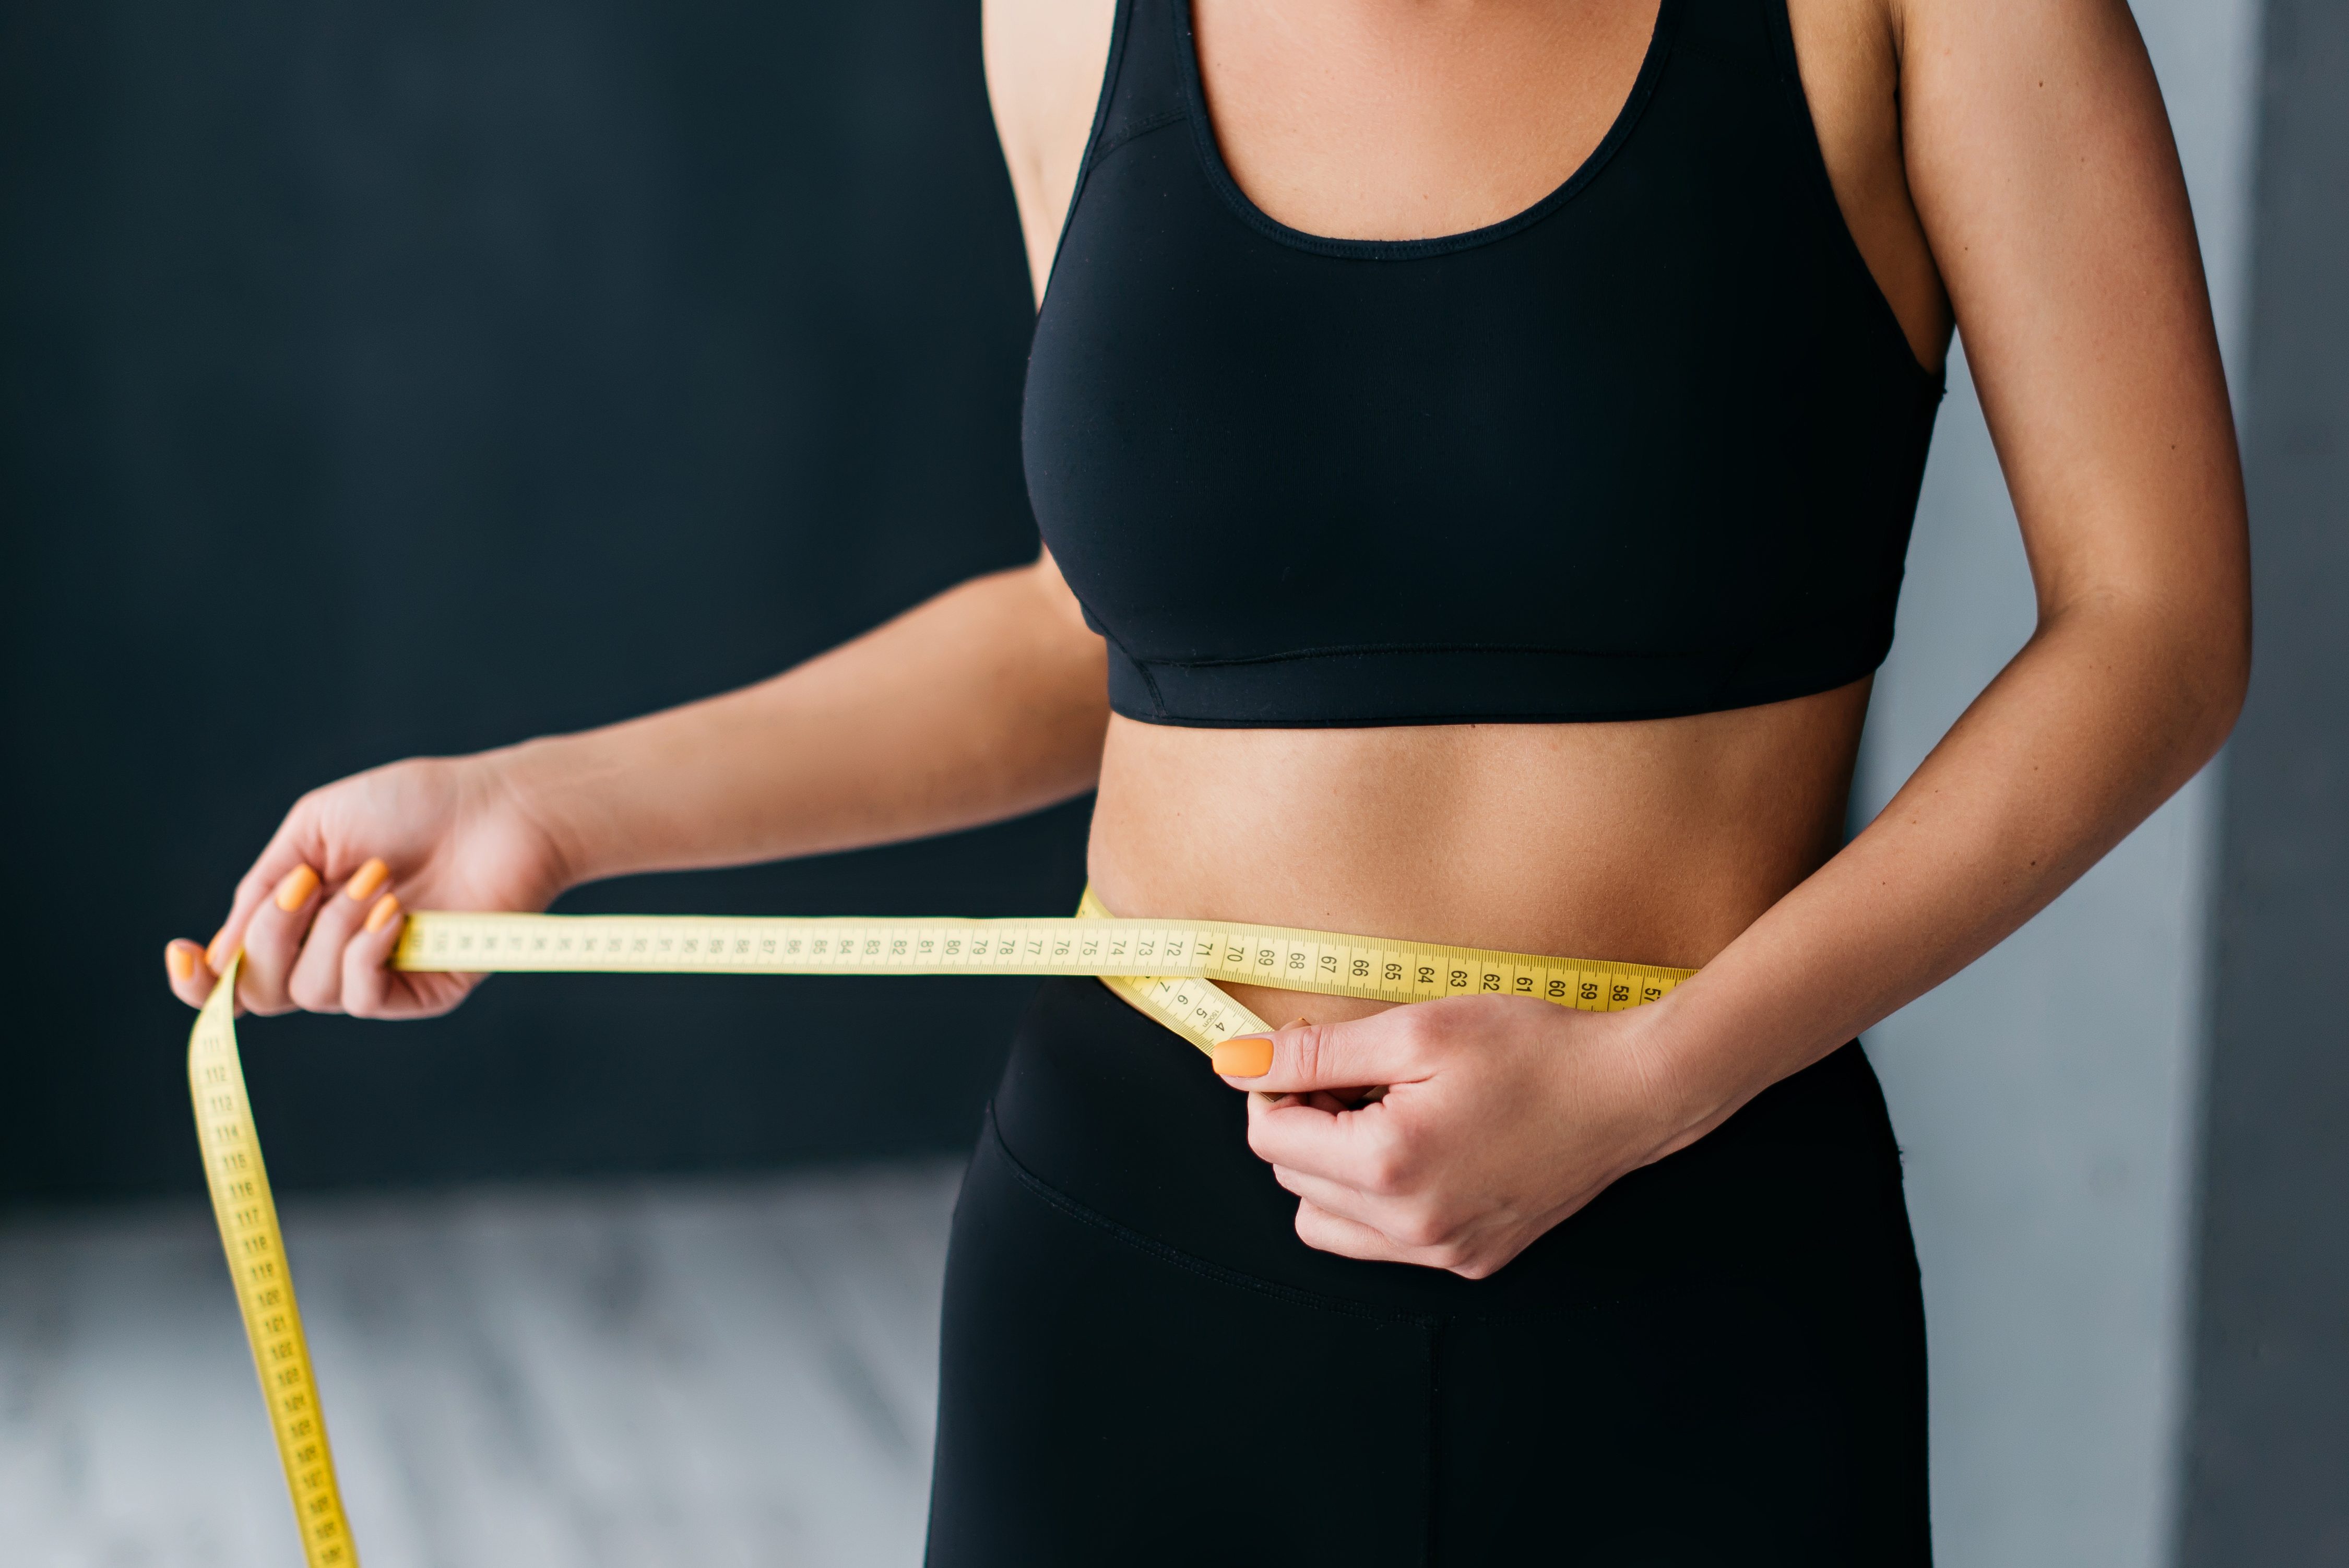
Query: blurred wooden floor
x,y
704,1373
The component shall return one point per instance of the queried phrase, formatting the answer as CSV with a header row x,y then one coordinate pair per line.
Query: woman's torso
x,y
1655,838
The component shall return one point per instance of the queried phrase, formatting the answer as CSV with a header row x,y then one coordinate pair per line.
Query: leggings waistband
x,y
1102,1106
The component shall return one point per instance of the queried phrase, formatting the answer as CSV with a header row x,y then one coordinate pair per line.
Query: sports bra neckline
x,y
1219,174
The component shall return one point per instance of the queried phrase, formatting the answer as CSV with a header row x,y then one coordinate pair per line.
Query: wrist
x,y
1676,1068
546,783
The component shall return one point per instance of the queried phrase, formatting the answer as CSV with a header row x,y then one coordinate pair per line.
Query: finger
x,y
1320,1099
1429,1232
1379,1049
1363,1149
1250,1056
316,982
369,989
1337,1197
192,979
1327,1232
273,941
296,843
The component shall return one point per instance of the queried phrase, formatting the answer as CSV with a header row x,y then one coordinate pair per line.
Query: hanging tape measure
x,y
1166,969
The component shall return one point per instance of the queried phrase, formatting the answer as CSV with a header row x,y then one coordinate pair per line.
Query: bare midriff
x,y
1656,841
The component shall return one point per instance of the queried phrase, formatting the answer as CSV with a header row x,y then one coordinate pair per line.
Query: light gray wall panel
x,y
2046,1098
2268,1470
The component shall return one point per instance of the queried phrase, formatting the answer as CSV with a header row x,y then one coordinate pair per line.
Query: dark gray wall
x,y
2267,1464
380,378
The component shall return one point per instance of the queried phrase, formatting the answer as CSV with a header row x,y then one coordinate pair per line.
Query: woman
x,y
1474,443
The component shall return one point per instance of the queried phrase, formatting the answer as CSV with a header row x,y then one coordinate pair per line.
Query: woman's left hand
x,y
1501,1116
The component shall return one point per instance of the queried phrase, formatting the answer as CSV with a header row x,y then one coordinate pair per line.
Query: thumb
x,y
1304,1058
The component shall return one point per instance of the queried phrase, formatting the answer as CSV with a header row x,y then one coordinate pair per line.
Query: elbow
x,y
2233,685
2230,657
2184,658
2218,676
2237,687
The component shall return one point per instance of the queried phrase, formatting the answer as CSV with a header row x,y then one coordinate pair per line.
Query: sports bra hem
x,y
1350,650
1444,720
1380,687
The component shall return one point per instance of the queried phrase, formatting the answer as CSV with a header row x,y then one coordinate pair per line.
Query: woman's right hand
x,y
320,911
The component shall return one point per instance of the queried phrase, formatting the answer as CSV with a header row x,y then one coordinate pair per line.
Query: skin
x,y
2002,164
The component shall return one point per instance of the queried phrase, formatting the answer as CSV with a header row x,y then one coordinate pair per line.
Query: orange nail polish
x,y
180,960
1250,1056
294,891
381,914
216,950
372,875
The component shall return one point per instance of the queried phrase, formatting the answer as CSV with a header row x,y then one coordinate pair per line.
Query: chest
x,y
1403,121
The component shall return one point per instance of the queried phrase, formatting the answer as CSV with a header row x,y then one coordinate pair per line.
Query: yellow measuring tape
x,y
1168,969
248,1216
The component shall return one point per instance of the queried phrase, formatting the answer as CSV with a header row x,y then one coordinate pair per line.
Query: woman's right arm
x,y
983,703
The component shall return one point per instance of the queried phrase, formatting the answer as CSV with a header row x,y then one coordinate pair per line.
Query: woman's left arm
x,y
2042,165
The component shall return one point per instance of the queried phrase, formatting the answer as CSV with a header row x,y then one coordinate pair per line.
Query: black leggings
x,y
1721,1360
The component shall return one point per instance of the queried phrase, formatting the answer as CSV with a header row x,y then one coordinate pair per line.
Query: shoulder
x,y
1044,64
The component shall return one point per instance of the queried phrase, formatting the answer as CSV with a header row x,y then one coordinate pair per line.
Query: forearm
x,y
2105,713
981,703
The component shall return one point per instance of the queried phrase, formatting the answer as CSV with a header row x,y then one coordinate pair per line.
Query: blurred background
x,y
377,380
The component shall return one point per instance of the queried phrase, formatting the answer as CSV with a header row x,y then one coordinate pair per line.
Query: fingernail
x,y
1250,1056
180,960
216,950
296,890
385,908
372,875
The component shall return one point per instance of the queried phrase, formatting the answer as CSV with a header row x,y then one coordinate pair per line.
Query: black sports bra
x,y
1649,448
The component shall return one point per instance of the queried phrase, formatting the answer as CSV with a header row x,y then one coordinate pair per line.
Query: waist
x,y
1654,841
1107,1110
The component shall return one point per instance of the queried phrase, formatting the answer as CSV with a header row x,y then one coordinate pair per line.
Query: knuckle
x,y
1387,1164
366,994
1423,1031
261,986
1308,1051
311,992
